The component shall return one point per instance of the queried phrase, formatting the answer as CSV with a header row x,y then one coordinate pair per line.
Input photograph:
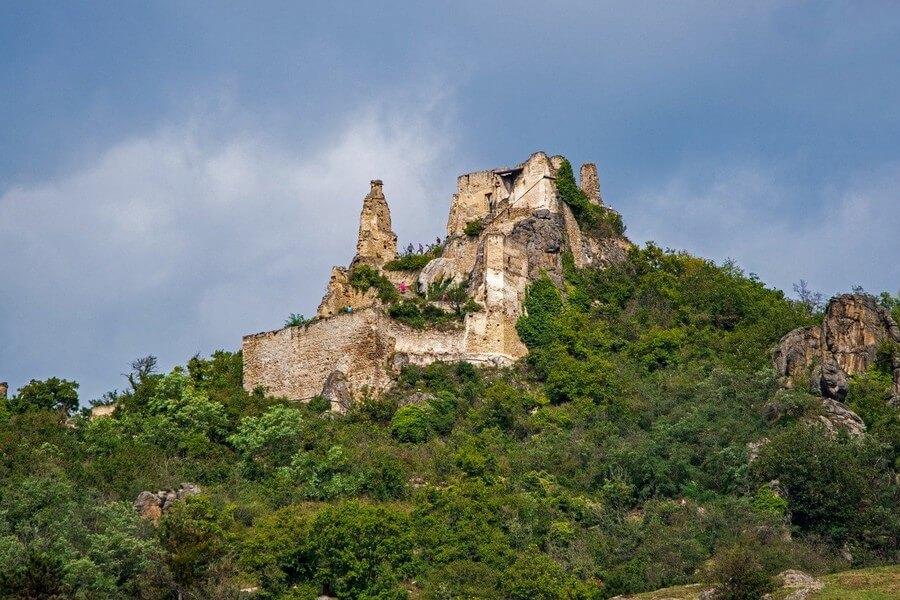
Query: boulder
x,y
154,504
836,417
337,392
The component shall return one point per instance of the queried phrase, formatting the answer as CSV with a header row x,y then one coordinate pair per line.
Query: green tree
x,y
360,549
194,534
51,394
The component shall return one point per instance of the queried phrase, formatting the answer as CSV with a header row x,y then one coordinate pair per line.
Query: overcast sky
x,y
174,175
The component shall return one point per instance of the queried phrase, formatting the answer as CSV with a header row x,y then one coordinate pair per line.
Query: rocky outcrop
x,y
417,399
846,342
153,504
822,357
541,236
377,244
797,584
836,417
337,392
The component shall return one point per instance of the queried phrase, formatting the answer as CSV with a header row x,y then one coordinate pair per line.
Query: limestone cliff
x,y
506,227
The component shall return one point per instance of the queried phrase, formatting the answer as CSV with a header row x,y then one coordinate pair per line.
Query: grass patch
x,y
878,583
412,261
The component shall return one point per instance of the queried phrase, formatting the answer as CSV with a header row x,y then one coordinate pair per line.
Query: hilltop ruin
x,y
506,228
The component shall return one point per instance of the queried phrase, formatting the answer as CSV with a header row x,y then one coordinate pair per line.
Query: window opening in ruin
x,y
490,200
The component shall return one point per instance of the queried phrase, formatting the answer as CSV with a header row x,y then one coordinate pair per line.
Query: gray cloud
x,y
182,240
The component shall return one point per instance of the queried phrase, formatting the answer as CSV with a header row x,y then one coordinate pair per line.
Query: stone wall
x,y
368,347
295,361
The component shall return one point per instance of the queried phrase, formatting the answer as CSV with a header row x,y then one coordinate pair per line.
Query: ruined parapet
x,y
102,410
590,183
377,243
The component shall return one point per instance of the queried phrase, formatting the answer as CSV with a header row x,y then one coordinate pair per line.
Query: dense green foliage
x,y
412,261
364,278
614,459
591,218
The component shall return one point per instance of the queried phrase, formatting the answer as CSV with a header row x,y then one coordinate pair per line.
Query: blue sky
x,y
174,175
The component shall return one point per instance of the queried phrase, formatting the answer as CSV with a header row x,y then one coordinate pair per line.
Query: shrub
x,y
410,424
408,313
319,404
768,501
474,228
739,576
360,550
364,278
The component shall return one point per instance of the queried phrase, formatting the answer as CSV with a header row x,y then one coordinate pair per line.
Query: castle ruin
x,y
523,231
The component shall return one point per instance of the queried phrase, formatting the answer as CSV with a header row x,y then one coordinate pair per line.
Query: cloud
x,y
182,240
835,235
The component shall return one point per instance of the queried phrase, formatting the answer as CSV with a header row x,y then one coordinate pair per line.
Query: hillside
x,y
645,440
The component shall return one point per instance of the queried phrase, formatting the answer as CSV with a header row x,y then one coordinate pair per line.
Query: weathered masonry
x,y
525,228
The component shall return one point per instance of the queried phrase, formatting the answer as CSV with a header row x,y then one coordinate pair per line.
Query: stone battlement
x,y
525,229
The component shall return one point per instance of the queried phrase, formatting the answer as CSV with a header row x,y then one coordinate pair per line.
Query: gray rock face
x,y
417,398
337,392
837,417
541,236
153,505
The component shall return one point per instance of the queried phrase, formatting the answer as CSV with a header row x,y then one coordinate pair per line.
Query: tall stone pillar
x,y
590,183
377,243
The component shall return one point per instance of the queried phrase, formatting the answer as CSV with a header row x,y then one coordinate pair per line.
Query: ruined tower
x,y
590,183
377,243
